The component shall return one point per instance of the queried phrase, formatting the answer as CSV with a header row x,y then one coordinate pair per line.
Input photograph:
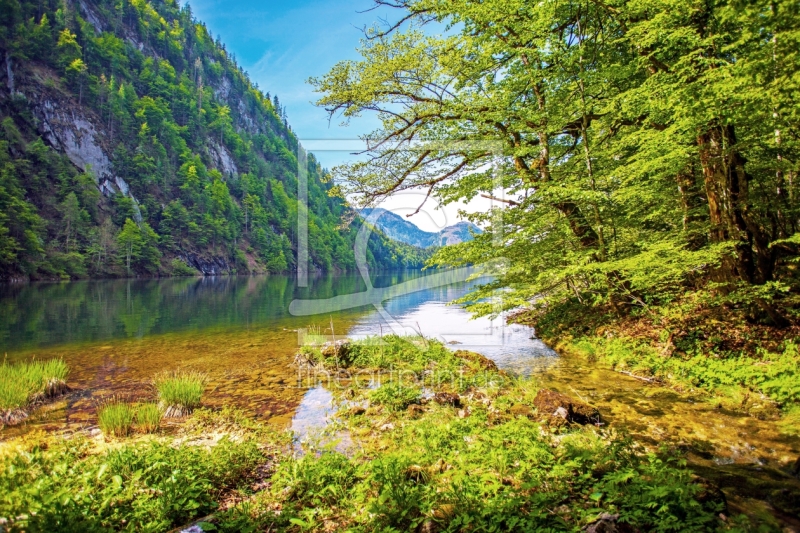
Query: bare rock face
x,y
223,161
214,266
75,131
557,406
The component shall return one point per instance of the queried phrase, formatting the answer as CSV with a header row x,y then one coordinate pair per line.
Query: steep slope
x,y
399,229
133,144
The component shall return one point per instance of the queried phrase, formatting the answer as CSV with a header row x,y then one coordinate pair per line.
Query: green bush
x,y
180,268
773,374
180,392
115,418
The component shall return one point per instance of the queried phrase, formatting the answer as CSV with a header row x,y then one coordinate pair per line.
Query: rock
x,y
357,411
447,398
415,410
338,349
555,405
608,523
483,362
710,493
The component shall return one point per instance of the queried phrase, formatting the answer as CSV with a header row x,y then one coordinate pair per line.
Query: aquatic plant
x,y
23,384
148,417
180,392
115,417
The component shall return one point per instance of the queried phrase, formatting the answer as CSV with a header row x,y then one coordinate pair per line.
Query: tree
x,y
73,217
644,147
129,241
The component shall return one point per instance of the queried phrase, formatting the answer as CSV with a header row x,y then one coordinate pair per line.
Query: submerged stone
x,y
557,406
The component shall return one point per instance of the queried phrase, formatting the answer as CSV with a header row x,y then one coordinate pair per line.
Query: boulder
x,y
340,349
447,398
561,407
483,362
608,523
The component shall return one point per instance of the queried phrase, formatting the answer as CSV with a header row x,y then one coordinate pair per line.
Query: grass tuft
x,y
23,384
148,417
115,418
180,392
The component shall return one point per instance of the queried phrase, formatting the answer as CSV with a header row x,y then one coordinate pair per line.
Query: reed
x,y
180,392
115,418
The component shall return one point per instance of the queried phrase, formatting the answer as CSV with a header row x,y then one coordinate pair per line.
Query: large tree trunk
x,y
726,185
726,190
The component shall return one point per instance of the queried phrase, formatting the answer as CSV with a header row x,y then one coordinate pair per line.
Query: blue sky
x,y
282,43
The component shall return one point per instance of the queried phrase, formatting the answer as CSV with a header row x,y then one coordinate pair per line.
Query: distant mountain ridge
x,y
397,228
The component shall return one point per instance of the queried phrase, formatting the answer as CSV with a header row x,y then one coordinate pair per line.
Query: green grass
x,y
148,417
24,383
115,418
180,392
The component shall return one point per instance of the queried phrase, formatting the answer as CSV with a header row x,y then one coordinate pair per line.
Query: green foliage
x,y
209,170
395,396
150,486
180,268
182,390
24,383
115,418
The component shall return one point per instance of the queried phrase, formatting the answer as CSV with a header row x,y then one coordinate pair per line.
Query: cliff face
x,y
128,110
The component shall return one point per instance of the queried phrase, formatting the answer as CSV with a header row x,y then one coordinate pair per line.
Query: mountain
x,y
131,143
399,229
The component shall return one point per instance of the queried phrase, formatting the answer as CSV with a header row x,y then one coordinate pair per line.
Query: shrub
x,y
115,418
179,392
148,417
180,268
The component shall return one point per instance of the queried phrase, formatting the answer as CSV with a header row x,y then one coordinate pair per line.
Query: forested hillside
x,y
133,144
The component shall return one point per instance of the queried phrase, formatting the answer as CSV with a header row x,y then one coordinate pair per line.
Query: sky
x,y
281,44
